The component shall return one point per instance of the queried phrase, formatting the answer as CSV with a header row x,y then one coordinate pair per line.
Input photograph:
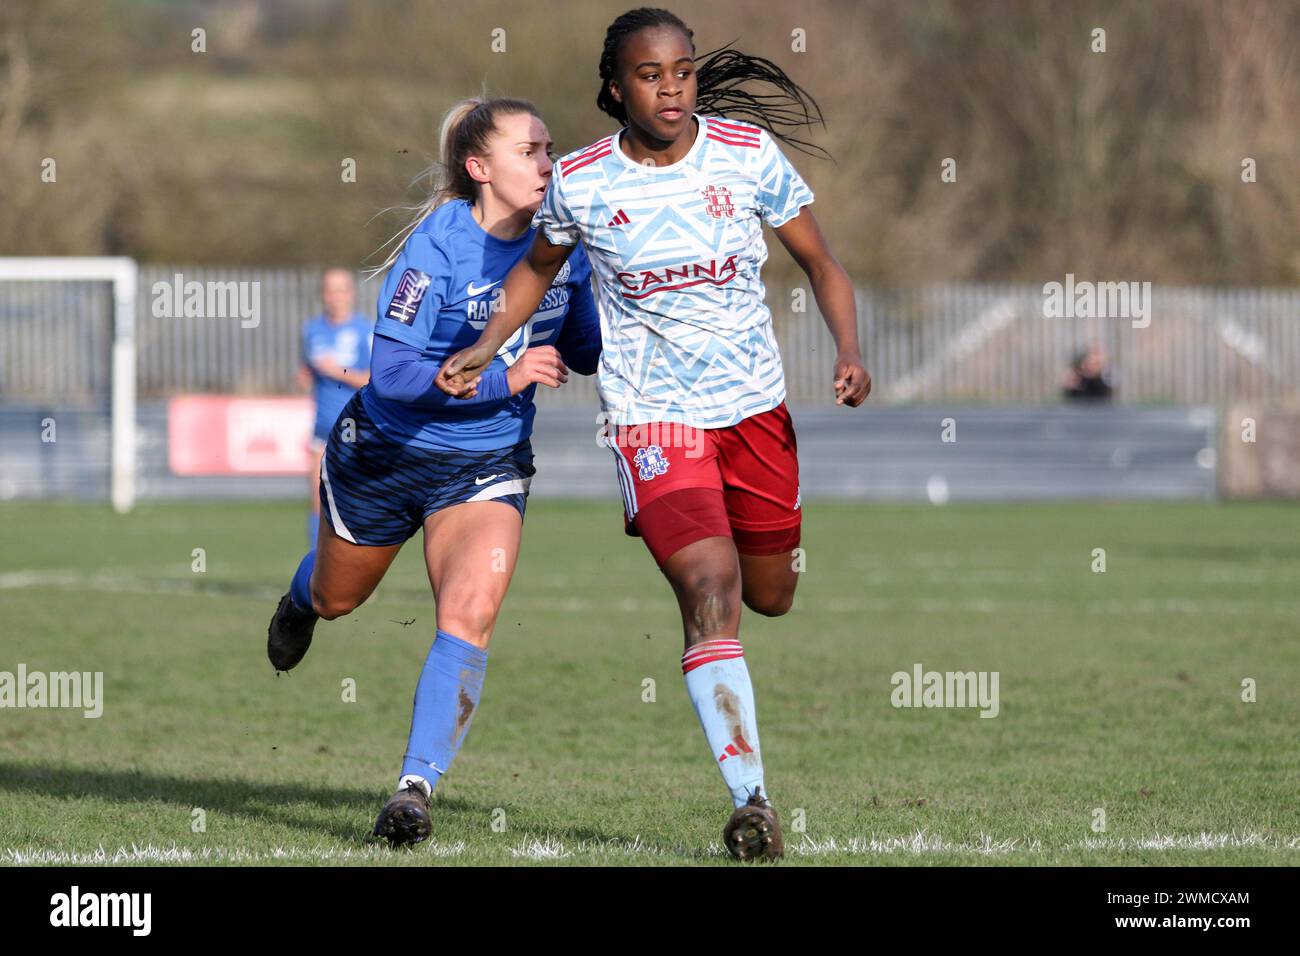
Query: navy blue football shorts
x,y
374,491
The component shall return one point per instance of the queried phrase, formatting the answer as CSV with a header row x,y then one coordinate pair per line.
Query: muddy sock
x,y
717,681
445,701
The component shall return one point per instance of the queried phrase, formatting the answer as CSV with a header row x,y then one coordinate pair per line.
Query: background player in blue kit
x,y
335,363
403,455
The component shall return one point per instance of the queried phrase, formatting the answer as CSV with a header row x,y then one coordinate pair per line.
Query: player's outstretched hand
x,y
852,381
542,364
462,370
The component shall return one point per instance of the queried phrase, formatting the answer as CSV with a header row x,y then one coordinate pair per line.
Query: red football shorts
x,y
681,484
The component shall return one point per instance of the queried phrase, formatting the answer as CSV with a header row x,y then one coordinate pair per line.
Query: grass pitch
x,y
1119,691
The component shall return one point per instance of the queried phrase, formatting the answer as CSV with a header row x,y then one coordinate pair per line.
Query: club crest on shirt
x,y
717,201
562,276
408,295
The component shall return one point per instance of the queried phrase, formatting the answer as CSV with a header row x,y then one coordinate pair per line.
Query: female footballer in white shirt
x,y
670,211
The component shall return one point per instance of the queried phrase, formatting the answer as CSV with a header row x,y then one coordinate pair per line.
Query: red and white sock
x,y
717,681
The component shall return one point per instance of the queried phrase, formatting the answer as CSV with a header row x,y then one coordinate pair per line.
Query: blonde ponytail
x,y
465,131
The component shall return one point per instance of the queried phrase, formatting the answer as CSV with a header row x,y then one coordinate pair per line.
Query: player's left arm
x,y
833,290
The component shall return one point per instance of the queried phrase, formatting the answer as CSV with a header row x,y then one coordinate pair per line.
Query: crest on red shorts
x,y
650,461
717,201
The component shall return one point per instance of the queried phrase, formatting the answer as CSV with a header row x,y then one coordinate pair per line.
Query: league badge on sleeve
x,y
406,299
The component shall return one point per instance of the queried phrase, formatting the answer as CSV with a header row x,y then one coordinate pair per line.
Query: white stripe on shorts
x,y
501,489
625,482
339,527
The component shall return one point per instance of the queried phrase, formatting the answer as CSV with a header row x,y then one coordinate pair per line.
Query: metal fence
x,y
934,343
993,344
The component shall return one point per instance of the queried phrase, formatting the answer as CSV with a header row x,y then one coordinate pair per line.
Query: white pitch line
x,y
109,583
545,848
35,856
922,842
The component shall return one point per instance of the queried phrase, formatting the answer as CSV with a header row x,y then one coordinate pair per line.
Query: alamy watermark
x,y
208,300
651,435
1098,300
922,688
75,908
73,689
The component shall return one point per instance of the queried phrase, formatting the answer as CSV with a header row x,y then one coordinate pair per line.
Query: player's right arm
x,y
557,236
409,303
521,294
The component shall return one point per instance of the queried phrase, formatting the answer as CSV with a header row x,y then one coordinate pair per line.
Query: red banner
x,y
239,435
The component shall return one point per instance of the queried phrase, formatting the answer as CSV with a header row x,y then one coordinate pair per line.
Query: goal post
x,y
122,273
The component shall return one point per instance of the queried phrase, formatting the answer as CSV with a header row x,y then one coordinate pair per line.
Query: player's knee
x,y
771,603
330,607
470,618
711,598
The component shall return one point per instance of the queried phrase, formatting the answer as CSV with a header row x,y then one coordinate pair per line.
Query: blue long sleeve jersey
x,y
436,300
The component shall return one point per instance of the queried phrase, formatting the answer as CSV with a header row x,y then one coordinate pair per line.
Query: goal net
x,y
67,378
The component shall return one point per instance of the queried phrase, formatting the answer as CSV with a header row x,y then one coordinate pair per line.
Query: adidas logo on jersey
x,y
619,220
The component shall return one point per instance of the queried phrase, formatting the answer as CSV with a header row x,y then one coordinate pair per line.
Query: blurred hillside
x,y
1126,163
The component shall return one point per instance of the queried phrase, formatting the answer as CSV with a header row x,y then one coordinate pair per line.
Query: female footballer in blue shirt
x,y
335,363
403,455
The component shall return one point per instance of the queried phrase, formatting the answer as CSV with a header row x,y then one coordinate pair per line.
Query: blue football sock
x,y
313,528
300,589
445,701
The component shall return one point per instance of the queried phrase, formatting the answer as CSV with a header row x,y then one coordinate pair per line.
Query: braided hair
x,y
719,77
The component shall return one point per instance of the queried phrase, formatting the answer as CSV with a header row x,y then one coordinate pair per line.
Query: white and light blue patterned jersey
x,y
677,251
